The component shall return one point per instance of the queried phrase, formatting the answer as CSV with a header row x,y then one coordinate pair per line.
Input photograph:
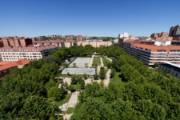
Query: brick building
x,y
16,41
16,48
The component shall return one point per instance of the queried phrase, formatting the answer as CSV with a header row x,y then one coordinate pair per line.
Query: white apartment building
x,y
95,43
152,53
15,56
29,53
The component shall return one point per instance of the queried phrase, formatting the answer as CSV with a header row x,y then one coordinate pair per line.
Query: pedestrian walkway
x,y
73,101
102,64
108,78
91,61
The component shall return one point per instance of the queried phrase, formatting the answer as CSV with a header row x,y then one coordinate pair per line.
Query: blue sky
x,y
87,17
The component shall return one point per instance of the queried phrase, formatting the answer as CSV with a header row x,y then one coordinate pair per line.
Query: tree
x,y
78,82
150,110
123,110
37,107
60,94
135,91
92,109
57,93
102,73
11,105
96,76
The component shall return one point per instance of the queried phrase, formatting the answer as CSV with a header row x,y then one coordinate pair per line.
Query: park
x,y
122,87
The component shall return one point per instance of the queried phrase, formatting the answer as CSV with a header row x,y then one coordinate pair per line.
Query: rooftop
x,y
149,45
157,48
8,65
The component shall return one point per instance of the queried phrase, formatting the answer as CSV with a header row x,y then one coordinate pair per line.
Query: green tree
x,y
57,93
93,109
37,107
102,73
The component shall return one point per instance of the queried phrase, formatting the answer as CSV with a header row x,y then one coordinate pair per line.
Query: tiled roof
x,y
156,48
8,65
149,45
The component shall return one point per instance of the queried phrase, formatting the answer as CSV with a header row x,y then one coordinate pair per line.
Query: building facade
x,y
171,68
16,48
95,43
29,53
151,53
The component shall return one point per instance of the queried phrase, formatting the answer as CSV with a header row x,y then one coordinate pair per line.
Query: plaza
x,y
80,66
81,62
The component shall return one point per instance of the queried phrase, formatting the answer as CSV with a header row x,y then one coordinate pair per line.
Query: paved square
x,y
79,71
81,62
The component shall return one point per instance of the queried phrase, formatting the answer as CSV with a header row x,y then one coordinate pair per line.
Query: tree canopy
x,y
135,91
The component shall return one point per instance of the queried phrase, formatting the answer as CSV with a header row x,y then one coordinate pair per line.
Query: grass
x,y
96,61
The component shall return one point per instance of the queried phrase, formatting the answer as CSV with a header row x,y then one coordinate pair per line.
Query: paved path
x,y
73,101
91,61
109,59
98,69
88,81
108,78
67,116
67,80
102,64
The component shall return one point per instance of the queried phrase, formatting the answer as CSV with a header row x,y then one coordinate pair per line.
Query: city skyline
x,y
90,17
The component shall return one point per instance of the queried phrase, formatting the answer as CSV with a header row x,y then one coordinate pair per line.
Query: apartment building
x,y
171,68
29,53
16,48
70,43
153,52
95,43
